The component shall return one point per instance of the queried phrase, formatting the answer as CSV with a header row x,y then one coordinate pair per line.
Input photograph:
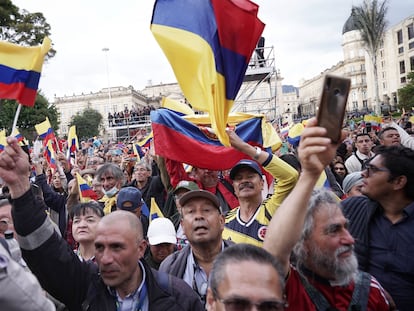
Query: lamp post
x,y
106,50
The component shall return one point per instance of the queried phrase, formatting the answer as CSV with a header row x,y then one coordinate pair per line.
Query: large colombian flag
x,y
185,138
208,44
20,69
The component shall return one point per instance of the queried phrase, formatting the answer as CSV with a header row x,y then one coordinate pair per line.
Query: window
x,y
355,105
384,85
412,63
411,45
365,104
410,31
402,67
403,79
399,36
400,50
382,64
362,67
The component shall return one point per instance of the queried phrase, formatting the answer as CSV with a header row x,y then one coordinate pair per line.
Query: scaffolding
x,y
258,93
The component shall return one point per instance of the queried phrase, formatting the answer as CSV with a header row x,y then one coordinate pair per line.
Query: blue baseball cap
x,y
243,164
129,199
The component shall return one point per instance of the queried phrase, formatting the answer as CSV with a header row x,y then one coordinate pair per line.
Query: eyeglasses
x,y
371,169
242,304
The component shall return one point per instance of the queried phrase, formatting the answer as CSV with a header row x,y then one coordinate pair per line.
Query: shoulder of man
x,y
175,263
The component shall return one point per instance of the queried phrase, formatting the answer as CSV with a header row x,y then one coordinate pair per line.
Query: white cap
x,y
161,230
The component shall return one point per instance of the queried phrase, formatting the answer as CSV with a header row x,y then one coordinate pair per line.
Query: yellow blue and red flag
x,y
208,44
146,141
185,139
20,69
155,211
17,134
45,131
86,193
3,141
50,156
73,143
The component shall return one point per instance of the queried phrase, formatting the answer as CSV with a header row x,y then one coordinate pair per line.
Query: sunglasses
x,y
242,304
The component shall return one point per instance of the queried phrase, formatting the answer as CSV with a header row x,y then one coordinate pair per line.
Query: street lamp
x,y
106,50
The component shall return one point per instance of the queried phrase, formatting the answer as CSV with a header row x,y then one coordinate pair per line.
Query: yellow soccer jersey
x,y
253,231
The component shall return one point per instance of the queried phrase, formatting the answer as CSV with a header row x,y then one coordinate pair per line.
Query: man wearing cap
x,y
130,199
248,222
162,241
203,223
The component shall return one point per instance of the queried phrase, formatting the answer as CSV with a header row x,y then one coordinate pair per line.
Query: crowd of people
x,y
267,233
129,116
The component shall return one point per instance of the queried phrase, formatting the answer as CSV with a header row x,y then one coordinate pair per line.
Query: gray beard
x,y
343,270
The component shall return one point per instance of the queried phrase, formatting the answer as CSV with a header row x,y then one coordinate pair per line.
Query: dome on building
x,y
350,24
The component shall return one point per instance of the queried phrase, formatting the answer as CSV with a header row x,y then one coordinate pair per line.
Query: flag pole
x,y
16,117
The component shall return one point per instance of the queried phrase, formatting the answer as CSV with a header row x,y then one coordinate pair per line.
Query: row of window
x,y
410,33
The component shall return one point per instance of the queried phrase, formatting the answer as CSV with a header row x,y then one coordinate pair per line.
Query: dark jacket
x,y
154,188
359,211
55,201
78,284
176,263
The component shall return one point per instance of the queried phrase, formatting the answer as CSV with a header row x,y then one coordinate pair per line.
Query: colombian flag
x,y
146,142
208,44
186,139
18,136
86,193
20,69
49,154
155,211
73,143
45,131
3,141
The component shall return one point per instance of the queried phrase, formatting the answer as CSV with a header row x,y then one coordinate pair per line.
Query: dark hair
x,y
381,133
237,253
111,168
362,134
83,208
400,162
292,160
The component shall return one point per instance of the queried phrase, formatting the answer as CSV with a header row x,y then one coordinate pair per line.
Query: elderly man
x,y
231,288
247,223
382,222
326,275
203,223
119,281
112,179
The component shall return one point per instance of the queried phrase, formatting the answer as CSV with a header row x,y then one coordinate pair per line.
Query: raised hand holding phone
x,y
332,106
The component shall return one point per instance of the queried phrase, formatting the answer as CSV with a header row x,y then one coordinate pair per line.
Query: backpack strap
x,y
360,295
317,298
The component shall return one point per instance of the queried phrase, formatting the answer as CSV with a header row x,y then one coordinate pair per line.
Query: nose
x,y
347,238
106,257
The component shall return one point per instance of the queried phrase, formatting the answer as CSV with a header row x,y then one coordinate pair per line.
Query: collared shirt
x,y
391,253
137,300
195,276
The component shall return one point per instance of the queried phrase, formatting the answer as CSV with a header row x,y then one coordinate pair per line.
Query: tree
x,y
29,116
22,27
370,18
406,94
87,123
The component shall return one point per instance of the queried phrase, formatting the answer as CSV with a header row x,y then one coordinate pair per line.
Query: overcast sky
x,y
306,36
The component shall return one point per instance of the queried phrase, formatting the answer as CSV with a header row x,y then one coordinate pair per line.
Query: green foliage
x,y
406,94
370,18
29,116
87,123
22,27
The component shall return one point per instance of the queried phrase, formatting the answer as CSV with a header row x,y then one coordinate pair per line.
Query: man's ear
x,y
399,182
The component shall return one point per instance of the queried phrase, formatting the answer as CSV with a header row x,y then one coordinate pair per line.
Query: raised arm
x,y
315,153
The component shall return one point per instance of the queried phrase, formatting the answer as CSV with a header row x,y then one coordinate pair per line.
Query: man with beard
x,y
203,223
382,222
314,228
248,222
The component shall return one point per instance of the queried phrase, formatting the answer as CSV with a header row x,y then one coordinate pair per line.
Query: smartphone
x,y
368,127
332,106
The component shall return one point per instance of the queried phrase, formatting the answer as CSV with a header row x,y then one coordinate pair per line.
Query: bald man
x,y
121,280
